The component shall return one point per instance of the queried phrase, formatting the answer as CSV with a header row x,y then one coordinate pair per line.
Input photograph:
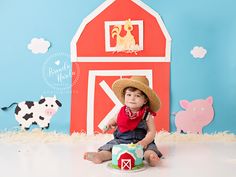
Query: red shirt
x,y
128,123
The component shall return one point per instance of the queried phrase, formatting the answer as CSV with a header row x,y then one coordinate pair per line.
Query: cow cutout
x,y
39,112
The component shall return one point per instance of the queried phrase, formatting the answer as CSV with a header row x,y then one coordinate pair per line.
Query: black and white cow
x,y
40,113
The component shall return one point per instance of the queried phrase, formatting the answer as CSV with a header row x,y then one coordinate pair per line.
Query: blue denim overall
x,y
131,137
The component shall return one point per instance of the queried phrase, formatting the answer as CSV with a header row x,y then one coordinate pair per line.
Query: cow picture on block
x,y
39,112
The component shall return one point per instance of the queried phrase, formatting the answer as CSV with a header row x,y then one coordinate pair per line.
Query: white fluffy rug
x,y
37,135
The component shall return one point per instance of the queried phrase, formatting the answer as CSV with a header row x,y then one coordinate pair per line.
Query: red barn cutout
x,y
120,38
126,161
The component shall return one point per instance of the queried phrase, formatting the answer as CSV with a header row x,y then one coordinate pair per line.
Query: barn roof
x,y
124,152
92,16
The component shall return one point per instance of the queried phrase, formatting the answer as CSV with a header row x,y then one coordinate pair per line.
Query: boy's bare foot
x,y
95,157
151,158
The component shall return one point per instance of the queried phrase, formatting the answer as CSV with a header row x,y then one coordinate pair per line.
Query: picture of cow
x,y
40,113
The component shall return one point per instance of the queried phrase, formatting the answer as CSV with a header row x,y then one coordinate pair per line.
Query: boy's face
x,y
134,99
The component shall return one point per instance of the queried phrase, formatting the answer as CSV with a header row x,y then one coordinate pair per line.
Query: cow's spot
x,y
28,116
47,127
17,110
29,104
42,101
41,118
58,103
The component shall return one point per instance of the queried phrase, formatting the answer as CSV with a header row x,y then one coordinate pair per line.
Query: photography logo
x,y
57,72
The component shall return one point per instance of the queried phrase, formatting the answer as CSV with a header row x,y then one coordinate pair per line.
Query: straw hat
x,y
139,82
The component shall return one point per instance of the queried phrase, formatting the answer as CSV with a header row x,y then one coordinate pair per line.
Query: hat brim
x,y
119,85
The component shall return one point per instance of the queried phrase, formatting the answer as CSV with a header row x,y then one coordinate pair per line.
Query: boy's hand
x,y
107,127
110,125
142,143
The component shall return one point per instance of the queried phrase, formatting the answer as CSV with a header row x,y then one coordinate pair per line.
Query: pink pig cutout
x,y
196,115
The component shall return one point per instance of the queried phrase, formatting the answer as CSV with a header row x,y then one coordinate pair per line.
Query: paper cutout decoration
x,y
57,62
124,36
40,113
104,61
196,115
38,45
198,52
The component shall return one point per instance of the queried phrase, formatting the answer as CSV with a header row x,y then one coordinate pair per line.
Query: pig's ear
x,y
184,104
210,100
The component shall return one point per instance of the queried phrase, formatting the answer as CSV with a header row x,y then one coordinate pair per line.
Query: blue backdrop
x,y
207,23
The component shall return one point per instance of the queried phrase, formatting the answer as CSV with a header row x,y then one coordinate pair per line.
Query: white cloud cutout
x,y
198,52
115,150
38,45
